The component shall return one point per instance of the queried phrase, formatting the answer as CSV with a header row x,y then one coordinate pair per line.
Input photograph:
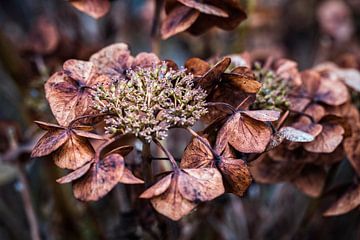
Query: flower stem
x,y
146,162
168,154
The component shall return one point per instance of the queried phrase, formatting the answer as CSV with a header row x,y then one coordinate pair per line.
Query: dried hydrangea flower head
x,y
273,93
150,101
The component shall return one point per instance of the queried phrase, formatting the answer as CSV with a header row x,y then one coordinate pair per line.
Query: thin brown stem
x,y
146,162
155,39
215,153
29,209
210,104
168,154
282,120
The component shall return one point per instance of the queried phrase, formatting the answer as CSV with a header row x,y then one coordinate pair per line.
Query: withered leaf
x,y
311,180
328,140
204,8
197,66
102,176
94,8
236,174
180,19
347,202
245,134
68,92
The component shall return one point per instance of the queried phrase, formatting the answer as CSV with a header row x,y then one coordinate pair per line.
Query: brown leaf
x,y
94,8
179,20
196,155
347,202
243,79
51,141
311,180
74,153
76,174
236,175
67,92
204,8
197,66
245,134
327,141
103,175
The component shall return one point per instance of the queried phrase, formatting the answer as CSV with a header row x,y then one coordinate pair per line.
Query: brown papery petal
x,y
197,66
158,188
328,140
352,149
122,150
316,111
48,126
100,179
129,178
311,180
180,19
298,104
204,8
347,202
74,153
196,155
213,76
76,174
244,79
236,175
113,59
332,92
203,184
172,204
50,142
86,134
145,60
311,82
245,134
94,8
263,115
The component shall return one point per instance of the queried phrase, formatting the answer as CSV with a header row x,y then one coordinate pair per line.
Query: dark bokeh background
x,y
37,36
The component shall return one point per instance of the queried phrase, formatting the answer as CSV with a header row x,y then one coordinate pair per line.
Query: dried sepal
x,y
196,155
243,79
197,66
204,8
295,135
68,91
213,76
179,192
51,141
94,8
102,176
179,20
347,202
245,134
311,180
76,174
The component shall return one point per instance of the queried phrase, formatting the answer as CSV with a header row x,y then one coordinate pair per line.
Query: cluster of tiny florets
x,y
150,101
273,92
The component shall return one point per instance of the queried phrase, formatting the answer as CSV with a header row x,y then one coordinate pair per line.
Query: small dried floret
x,y
150,101
273,93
